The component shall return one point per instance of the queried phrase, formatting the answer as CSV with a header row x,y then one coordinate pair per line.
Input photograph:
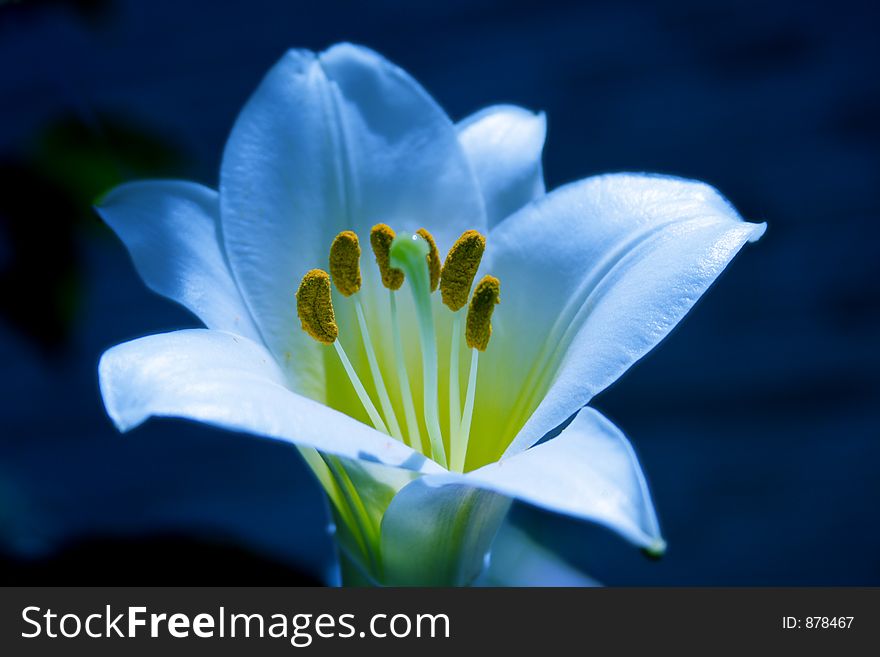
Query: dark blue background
x,y
756,422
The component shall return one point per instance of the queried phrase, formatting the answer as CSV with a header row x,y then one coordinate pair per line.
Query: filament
x,y
369,407
414,437
465,431
384,401
454,393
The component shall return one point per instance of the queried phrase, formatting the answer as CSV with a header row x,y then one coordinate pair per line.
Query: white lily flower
x,y
420,427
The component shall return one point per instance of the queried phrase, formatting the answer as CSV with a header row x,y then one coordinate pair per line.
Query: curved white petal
x,y
504,145
588,471
171,228
231,382
593,276
339,140
439,536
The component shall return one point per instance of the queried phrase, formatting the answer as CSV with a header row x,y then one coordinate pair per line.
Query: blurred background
x,y
757,421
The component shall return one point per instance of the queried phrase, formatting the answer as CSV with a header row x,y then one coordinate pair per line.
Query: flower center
x,y
416,260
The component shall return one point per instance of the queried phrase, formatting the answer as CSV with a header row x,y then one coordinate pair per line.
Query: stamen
x,y
314,306
414,436
457,275
369,407
477,333
381,238
345,263
433,258
345,267
460,267
408,252
464,433
454,392
384,400
479,317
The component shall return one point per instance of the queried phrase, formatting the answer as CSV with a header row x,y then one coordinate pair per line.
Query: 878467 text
x,y
817,622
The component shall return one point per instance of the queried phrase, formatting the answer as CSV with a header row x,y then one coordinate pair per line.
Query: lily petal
x,y
171,228
597,273
231,382
439,536
588,471
339,140
518,560
504,145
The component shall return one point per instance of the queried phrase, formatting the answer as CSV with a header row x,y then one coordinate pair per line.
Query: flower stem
x,y
465,431
365,526
369,407
408,252
318,464
378,381
414,436
454,393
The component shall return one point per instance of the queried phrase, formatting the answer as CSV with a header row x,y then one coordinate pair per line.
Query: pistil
x,y
408,253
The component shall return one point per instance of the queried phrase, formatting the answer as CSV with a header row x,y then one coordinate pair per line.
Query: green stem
x,y
362,520
321,468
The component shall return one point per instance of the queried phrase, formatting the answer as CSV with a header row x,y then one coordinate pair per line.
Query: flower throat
x,y
415,259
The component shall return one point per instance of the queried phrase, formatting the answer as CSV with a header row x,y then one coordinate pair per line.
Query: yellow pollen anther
x,y
315,307
381,237
460,267
433,258
345,263
478,328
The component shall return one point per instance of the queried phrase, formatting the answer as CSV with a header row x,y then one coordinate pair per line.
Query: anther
x,y
381,237
345,266
433,258
314,307
460,267
478,328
